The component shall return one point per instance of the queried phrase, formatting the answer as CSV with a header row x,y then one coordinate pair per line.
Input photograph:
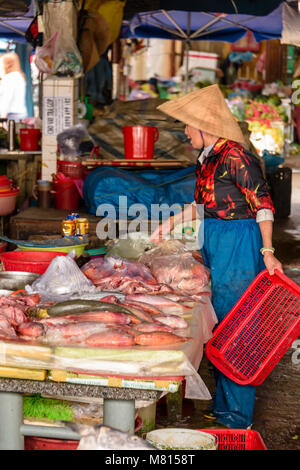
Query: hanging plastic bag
x,y
61,18
44,55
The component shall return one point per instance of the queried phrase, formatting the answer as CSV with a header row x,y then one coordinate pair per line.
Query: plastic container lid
x,y
181,439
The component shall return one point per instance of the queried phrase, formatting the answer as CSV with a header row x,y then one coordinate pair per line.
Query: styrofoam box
x,y
208,60
200,75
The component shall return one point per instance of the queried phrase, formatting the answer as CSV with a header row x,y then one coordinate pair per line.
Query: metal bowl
x,y
16,280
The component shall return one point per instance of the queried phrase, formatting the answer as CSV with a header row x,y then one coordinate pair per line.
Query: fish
x,y
151,327
173,321
144,306
101,437
156,300
102,317
78,329
110,338
31,300
164,304
138,312
159,338
33,329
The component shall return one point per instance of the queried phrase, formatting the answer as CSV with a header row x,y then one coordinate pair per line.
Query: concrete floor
x,y
277,407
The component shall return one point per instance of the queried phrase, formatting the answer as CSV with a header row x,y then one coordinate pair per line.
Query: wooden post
x,y
115,60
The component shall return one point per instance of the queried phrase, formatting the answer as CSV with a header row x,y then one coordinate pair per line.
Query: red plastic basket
x,y
28,261
237,439
259,329
71,169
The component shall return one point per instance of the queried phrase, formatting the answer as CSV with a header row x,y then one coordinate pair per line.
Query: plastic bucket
x,y
30,139
66,196
139,141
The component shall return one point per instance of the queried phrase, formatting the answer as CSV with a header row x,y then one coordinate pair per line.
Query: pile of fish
x,y
138,319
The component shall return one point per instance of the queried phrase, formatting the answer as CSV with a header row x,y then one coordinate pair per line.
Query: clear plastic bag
x,y
165,248
132,247
61,18
74,141
44,55
122,275
182,272
62,279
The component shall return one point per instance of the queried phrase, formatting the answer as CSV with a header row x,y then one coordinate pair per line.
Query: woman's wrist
x,y
267,249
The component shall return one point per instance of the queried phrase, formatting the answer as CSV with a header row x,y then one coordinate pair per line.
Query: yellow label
x,y
58,375
16,373
114,382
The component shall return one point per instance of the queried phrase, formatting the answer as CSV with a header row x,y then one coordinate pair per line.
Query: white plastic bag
x,y
62,279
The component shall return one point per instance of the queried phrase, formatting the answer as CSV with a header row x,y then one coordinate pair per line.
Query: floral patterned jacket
x,y
230,183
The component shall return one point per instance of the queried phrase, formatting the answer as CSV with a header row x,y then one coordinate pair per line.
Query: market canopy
x,y
15,20
204,25
250,7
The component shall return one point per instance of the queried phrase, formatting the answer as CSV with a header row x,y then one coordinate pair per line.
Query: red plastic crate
x,y
237,439
258,330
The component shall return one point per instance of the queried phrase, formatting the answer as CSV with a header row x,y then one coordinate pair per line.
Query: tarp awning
x,y
210,26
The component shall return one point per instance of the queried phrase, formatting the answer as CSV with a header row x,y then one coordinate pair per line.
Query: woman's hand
x,y
272,263
162,231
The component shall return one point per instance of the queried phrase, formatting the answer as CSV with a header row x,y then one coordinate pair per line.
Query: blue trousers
x,y
231,252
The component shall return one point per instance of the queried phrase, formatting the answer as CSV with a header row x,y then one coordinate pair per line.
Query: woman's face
x,y
195,136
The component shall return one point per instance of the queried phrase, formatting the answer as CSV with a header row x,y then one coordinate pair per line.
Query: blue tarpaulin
x,y
105,185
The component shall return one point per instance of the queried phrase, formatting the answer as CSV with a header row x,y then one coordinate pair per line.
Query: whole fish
x,y
159,338
102,437
151,327
79,329
146,307
102,317
156,300
138,312
173,321
110,338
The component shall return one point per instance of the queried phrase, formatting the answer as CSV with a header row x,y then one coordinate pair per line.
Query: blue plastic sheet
x,y
105,185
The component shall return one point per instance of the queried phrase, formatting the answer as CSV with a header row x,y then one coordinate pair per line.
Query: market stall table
x,y
148,372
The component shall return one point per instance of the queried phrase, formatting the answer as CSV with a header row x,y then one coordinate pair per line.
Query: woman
x,y
238,221
12,88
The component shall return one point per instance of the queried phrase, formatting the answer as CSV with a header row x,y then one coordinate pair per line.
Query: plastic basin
x,y
79,249
28,261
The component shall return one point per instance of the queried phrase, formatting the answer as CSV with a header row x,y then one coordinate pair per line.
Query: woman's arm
x,y
189,213
272,263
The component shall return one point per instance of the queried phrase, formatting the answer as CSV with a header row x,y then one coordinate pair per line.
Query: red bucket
x,y
139,141
30,139
66,195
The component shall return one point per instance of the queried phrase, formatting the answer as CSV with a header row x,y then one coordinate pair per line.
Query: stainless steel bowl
x,y
16,280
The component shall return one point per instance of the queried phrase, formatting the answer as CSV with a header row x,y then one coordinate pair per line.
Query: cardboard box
x,y
60,112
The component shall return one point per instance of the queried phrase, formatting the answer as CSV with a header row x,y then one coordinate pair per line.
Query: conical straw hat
x,y
207,110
